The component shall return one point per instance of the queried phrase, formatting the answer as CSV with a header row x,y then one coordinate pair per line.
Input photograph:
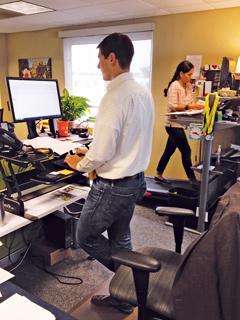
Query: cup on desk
x,y
63,128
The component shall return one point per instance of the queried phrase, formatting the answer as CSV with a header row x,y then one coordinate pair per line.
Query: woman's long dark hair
x,y
184,66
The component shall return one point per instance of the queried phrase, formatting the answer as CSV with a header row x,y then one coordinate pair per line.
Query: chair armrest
x,y
136,260
172,211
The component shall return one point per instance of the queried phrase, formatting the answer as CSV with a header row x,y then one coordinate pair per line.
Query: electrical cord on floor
x,y
55,275
31,257
29,246
11,247
26,229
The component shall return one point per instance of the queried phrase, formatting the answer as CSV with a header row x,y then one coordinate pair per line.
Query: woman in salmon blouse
x,y
180,98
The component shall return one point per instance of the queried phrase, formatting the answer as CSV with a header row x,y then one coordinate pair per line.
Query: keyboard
x,y
61,164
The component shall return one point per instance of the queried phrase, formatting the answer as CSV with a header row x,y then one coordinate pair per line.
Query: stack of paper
x,y
19,307
57,146
5,275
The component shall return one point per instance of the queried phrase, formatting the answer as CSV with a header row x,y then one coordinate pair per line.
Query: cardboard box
x,y
50,252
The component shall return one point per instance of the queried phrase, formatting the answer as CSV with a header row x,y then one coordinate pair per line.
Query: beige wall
x,y
3,70
212,34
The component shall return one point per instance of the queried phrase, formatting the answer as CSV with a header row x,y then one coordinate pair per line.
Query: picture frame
x,y
35,68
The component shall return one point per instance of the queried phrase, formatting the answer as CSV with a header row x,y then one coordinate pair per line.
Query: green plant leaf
x,y
74,107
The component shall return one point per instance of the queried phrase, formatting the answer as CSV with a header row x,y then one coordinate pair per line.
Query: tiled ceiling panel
x,y
77,12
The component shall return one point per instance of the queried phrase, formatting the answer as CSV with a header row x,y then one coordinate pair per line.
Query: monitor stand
x,y
52,127
32,131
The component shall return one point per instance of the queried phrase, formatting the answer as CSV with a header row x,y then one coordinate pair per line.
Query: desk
x,y
203,199
39,207
38,202
13,222
8,289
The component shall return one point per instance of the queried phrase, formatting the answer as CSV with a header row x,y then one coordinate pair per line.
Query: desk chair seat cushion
x,y
160,283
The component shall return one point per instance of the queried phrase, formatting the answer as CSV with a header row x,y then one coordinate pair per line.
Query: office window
x,y
82,77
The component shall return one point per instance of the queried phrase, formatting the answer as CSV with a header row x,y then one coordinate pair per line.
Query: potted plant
x,y
73,107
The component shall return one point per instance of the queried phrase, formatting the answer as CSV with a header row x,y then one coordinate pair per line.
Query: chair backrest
x,y
207,285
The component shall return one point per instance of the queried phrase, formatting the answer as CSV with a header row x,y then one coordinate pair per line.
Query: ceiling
x,y
80,12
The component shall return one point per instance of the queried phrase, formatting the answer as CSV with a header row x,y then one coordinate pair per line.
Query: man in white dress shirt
x,y
119,153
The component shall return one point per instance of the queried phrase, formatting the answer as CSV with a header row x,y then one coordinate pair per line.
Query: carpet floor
x,y
147,228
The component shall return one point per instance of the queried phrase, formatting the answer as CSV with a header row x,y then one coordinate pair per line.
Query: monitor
x,y
33,99
227,73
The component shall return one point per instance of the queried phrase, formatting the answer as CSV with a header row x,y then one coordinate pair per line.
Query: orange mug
x,y
63,128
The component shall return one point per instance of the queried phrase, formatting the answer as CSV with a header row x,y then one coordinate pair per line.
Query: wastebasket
x,y
75,209
184,198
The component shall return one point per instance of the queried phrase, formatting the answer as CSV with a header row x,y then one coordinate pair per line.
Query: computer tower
x,y
58,229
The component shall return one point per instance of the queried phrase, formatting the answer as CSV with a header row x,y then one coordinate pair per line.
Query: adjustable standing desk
x,y
40,203
225,172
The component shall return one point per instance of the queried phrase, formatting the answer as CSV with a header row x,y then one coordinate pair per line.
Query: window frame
x,y
84,36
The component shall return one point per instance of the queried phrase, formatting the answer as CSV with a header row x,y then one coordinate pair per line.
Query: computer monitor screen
x,y
227,73
33,99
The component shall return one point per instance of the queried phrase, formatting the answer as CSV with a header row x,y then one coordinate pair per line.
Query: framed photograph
x,y
193,84
35,68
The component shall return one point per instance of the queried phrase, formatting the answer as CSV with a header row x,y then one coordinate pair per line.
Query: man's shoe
x,y
108,301
162,181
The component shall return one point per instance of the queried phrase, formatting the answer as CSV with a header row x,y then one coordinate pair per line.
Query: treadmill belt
x,y
158,188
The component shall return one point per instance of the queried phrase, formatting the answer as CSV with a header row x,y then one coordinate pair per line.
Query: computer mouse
x,y
83,135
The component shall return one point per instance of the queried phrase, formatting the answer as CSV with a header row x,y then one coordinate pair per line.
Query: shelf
x,y
219,125
221,98
217,171
22,160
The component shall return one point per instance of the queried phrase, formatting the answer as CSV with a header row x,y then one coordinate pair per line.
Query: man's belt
x,y
120,180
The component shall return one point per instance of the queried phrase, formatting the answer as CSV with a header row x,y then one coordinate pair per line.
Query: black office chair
x,y
201,284
178,217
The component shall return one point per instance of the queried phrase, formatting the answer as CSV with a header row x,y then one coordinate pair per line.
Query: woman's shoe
x,y
162,181
194,182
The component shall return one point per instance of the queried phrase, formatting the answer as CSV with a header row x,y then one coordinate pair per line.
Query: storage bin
x,y
75,209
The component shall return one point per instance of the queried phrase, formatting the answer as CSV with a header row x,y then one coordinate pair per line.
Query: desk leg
x,y
203,200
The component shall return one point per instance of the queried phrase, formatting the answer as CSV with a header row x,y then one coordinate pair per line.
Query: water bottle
x,y
2,210
219,155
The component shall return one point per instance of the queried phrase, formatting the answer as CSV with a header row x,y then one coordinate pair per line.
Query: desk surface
x,y
41,206
58,146
8,289
13,222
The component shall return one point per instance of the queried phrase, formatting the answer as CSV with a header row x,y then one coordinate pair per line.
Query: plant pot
x,y
63,128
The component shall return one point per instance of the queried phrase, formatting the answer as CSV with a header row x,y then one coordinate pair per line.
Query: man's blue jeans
x,y
109,206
